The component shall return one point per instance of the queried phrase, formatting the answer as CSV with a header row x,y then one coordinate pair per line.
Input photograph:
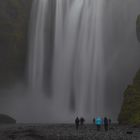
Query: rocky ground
x,y
67,132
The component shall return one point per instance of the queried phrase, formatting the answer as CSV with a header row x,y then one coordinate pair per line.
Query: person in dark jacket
x,y
109,123
82,120
93,120
109,120
105,123
77,123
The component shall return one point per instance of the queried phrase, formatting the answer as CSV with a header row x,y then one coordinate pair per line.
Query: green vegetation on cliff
x,y
14,20
130,111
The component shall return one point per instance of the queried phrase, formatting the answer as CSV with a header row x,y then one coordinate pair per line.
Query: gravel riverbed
x,y
67,132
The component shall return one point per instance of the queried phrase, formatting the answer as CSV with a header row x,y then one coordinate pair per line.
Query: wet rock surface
x,y
67,132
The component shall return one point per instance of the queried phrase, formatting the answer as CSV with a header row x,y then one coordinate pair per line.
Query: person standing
x,y
98,122
77,123
93,120
109,123
82,120
105,123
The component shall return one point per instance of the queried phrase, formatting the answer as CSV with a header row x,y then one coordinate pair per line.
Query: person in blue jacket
x,y
98,123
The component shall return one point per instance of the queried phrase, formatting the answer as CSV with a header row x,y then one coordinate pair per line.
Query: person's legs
x,y
106,127
98,127
77,126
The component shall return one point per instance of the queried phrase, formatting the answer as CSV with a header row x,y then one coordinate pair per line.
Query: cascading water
x,y
76,56
78,78
37,44
82,56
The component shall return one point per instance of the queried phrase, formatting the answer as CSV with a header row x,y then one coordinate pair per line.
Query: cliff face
x,y
14,20
130,112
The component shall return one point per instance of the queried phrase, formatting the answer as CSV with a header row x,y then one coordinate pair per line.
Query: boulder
x,y
5,119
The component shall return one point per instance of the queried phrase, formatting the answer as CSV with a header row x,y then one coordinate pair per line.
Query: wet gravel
x,y
67,132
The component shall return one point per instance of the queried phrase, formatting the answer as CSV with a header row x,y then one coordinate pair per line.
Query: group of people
x,y
79,122
97,121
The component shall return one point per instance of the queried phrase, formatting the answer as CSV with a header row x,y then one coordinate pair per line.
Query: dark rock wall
x,y
14,20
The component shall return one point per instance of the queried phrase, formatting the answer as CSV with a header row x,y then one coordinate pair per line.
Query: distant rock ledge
x,y
5,119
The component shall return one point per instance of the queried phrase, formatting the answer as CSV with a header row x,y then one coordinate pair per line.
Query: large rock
x,y
5,119
14,20
130,111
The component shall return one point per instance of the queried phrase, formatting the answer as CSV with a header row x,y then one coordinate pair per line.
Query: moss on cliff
x,y
14,20
130,111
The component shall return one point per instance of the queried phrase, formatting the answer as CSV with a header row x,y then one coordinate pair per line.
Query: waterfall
x,y
82,56
78,58
78,54
37,44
